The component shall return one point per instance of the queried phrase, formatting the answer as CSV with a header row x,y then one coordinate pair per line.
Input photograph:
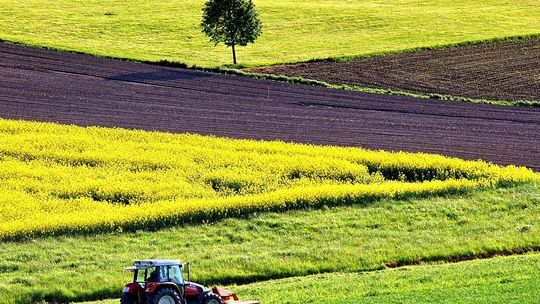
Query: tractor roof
x,y
145,264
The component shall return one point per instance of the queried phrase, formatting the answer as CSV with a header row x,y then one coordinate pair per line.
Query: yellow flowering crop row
x,y
57,179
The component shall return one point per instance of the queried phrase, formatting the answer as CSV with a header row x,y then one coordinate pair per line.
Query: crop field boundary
x,y
306,81
377,74
232,208
193,212
229,67
358,115
347,177
456,259
237,70
421,48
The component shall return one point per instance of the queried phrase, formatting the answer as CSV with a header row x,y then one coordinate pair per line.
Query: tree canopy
x,y
233,22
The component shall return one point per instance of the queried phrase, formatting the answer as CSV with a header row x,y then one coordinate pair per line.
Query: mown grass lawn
x,y
293,30
499,280
297,243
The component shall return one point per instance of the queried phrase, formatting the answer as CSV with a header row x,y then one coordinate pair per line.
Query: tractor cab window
x,y
141,276
154,275
165,274
175,275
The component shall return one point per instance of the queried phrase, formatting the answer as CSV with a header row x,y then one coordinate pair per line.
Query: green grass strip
x,y
498,280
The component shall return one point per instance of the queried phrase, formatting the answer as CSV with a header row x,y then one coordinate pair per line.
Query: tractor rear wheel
x,y
211,298
128,298
165,296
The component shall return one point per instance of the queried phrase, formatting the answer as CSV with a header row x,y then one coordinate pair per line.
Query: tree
x,y
233,22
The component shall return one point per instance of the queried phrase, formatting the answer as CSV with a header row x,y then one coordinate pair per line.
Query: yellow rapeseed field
x,y
57,179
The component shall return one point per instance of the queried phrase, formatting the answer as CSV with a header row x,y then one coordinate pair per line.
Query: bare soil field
x,y
496,71
43,85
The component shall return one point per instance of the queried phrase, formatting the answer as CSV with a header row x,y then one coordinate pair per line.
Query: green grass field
x,y
298,243
293,30
319,255
499,280
69,192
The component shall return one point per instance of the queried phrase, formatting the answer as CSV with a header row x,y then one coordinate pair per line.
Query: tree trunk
x,y
233,54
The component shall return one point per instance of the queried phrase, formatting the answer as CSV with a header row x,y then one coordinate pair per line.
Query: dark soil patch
x,y
43,85
497,71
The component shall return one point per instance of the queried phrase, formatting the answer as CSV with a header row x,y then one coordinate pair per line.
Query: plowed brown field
x,y
69,88
497,71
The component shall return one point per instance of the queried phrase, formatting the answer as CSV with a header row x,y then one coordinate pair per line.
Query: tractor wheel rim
x,y
213,301
166,300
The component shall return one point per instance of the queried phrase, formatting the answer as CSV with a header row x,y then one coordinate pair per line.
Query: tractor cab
x,y
158,271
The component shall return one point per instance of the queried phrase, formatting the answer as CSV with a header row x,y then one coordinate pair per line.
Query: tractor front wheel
x,y
165,296
211,298
128,298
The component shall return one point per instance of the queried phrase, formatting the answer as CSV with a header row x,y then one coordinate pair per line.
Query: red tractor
x,y
163,282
